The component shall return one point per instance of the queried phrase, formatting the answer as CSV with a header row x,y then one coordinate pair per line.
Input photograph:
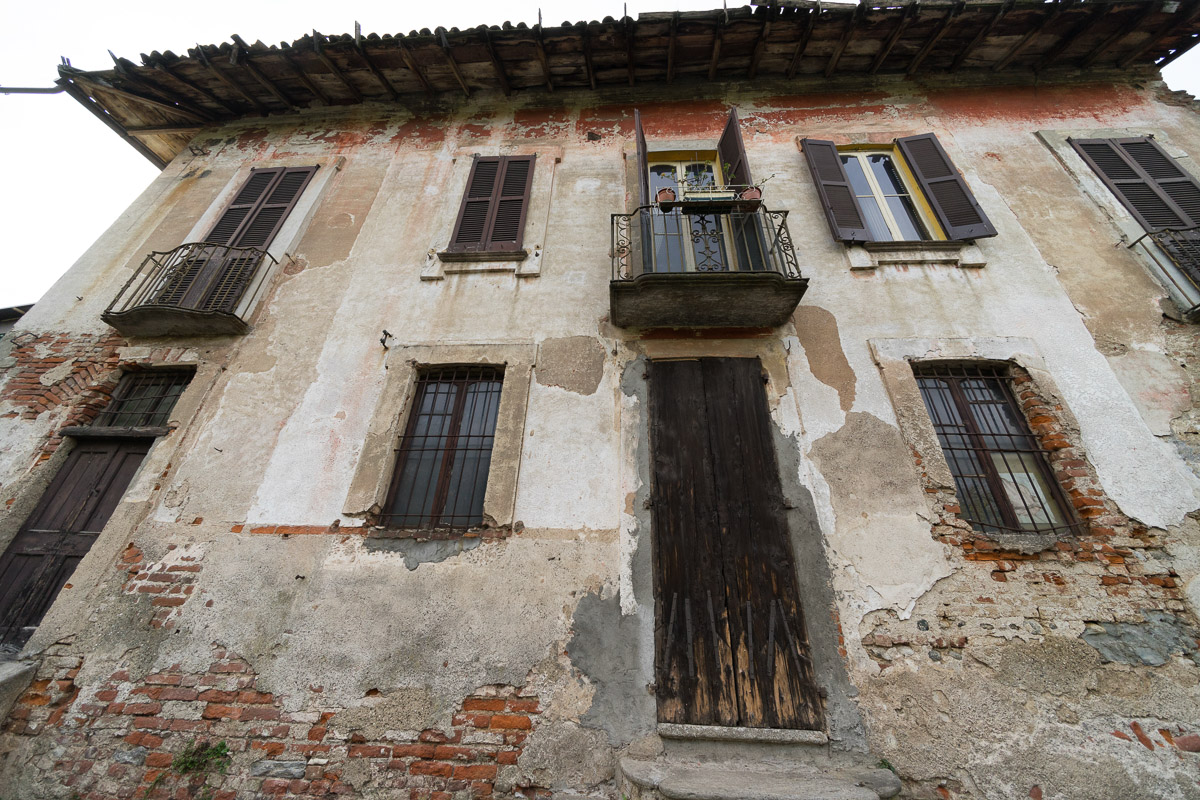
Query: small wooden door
x,y
730,641
61,530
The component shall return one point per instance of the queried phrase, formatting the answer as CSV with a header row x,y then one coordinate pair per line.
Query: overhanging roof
x,y
158,105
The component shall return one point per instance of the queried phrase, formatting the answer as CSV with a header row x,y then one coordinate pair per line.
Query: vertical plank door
x,y
60,531
730,641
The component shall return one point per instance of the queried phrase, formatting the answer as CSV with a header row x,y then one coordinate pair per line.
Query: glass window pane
x,y
880,232
905,214
1027,490
700,175
663,176
886,175
858,179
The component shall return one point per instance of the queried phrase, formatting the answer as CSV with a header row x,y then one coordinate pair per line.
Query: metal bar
x,y
32,90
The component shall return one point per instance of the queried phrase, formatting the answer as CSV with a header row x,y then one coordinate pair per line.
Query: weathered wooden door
x,y
730,641
61,530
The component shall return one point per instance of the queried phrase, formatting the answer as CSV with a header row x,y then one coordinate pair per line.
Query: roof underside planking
x,y
159,104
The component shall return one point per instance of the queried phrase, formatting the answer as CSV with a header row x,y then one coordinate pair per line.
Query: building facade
x,y
779,402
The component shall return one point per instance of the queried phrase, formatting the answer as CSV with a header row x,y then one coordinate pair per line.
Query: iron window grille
x,y
443,459
1002,474
143,399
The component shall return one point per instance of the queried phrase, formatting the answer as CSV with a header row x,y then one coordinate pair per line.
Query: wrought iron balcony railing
x,y
197,288
699,265
679,241
1182,250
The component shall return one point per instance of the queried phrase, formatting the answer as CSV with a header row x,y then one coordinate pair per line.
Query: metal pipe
x,y
31,90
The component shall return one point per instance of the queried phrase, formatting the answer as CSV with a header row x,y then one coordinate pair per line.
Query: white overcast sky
x,y
67,176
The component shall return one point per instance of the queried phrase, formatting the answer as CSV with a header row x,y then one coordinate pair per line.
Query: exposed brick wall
x,y
119,737
171,582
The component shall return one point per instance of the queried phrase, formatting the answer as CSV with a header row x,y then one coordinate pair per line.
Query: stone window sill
x,y
439,263
437,535
871,255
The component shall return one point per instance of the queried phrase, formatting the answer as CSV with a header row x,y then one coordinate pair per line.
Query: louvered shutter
x,y
1145,179
731,150
643,160
841,206
512,204
948,194
491,218
267,217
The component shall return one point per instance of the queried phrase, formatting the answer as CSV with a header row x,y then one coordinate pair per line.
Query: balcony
x,y
197,289
703,264
1176,253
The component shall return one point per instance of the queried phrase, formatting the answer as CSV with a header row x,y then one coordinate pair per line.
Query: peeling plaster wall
x,y
974,676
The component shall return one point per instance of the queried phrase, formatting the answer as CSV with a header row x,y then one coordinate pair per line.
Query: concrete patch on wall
x,y
1157,386
873,486
1151,643
574,363
416,552
817,330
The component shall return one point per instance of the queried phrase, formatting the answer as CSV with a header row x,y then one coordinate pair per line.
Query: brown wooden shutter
x,y
841,206
494,206
274,206
643,160
512,204
948,194
1145,179
731,150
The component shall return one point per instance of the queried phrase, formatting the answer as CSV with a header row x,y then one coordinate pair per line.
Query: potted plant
x,y
666,195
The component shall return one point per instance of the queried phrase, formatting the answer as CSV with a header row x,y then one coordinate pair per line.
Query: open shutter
x,y
512,204
643,160
241,208
267,218
470,228
948,194
1145,179
732,153
841,206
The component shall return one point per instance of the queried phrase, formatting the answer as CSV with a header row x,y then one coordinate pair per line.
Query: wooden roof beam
x,y
163,130
586,37
207,95
910,13
241,57
302,76
1169,27
630,63
983,34
671,47
718,35
935,37
498,68
1032,33
229,83
541,54
760,44
1087,25
802,45
413,66
851,26
123,67
148,101
355,94
388,89
450,62
73,88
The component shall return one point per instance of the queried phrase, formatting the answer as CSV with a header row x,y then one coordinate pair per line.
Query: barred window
x,y
444,456
1002,474
144,399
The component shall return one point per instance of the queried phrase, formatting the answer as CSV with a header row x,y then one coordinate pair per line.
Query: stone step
x,y
675,779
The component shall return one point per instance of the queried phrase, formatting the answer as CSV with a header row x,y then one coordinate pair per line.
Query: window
x,y
1162,197
1002,475
909,191
442,466
491,220
143,399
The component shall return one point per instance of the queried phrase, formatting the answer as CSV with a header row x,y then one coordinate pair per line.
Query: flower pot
x,y
751,193
666,196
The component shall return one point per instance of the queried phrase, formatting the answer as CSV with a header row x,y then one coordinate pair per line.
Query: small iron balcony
x,y
197,289
1182,250
701,265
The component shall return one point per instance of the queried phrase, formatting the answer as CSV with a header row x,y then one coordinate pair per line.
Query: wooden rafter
x,y
630,63
910,13
718,35
1085,26
1033,32
760,43
333,68
72,87
124,69
302,76
541,54
161,130
165,69
802,45
1166,29
380,78
983,33
450,62
851,27
241,57
146,101
229,83
410,62
586,38
498,68
671,47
